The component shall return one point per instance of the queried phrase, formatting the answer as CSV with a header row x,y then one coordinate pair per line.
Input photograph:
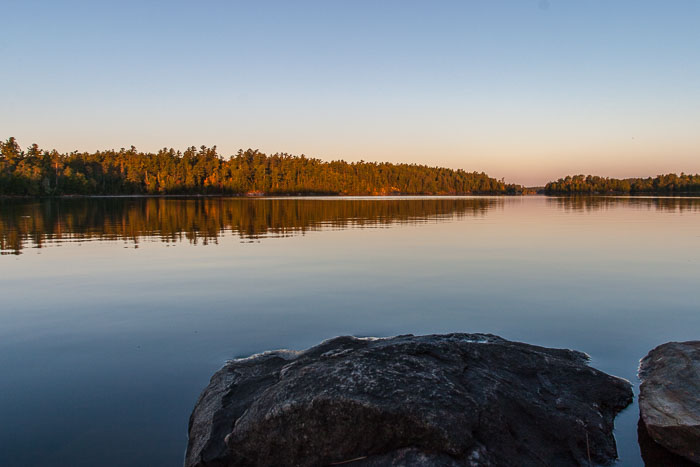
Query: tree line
x,y
589,184
38,172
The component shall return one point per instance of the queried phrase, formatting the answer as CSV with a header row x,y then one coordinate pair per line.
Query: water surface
x,y
115,312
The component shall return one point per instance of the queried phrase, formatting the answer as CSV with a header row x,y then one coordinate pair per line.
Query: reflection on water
x,y
105,347
596,203
203,220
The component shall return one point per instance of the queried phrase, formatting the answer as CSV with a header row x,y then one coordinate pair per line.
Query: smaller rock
x,y
669,397
653,454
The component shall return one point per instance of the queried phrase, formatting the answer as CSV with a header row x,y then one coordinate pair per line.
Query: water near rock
x,y
669,397
455,399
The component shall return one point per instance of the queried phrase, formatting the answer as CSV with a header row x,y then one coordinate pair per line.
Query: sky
x,y
527,90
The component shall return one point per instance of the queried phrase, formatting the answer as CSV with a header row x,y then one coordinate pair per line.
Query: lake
x,y
116,311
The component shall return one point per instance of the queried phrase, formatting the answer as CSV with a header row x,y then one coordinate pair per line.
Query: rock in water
x,y
451,400
655,455
669,397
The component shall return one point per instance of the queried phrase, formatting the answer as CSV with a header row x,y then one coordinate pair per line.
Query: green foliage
x,y
203,171
582,184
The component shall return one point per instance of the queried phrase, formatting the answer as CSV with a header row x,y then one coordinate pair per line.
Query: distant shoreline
x,y
268,196
391,196
251,173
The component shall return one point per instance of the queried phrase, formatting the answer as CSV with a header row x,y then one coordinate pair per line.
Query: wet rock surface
x,y
669,397
451,400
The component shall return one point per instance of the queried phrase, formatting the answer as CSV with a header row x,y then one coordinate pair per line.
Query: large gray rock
x,y
452,400
669,397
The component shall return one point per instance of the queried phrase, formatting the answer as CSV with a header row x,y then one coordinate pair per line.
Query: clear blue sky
x,y
526,90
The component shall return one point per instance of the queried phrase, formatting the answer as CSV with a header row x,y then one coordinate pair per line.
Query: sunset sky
x,y
527,90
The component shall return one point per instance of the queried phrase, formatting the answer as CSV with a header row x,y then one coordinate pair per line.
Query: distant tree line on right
x,y
590,184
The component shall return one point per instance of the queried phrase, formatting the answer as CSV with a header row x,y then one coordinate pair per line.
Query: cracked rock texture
x,y
450,400
669,397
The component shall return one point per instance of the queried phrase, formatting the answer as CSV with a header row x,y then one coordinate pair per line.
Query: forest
x,y
589,184
38,172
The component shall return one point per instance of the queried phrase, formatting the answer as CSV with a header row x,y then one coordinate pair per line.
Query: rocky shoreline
x,y
447,400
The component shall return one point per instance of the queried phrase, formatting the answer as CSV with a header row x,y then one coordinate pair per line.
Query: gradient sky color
x,y
526,90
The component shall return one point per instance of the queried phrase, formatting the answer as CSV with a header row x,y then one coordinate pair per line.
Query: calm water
x,y
115,312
